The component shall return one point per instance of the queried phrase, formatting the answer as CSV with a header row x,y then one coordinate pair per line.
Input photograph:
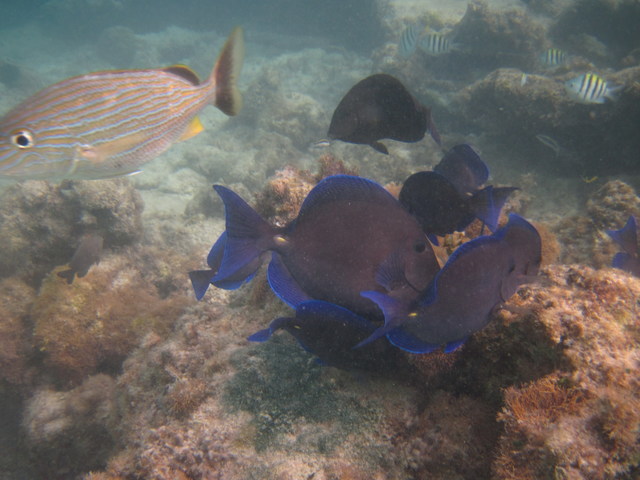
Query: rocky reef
x,y
41,223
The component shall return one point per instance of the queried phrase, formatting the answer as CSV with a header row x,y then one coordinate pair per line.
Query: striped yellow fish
x,y
107,124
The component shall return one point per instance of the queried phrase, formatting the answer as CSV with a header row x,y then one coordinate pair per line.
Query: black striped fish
x,y
435,44
553,57
589,88
107,124
409,40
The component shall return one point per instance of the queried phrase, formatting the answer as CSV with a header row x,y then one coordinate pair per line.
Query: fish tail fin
x,y
247,238
67,275
613,92
393,315
200,281
488,203
226,72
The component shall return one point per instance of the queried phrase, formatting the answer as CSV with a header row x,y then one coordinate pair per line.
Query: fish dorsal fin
x,y
185,72
343,188
193,129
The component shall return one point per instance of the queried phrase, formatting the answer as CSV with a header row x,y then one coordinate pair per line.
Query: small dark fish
x,y
627,238
478,277
327,252
381,107
87,253
441,209
326,330
463,167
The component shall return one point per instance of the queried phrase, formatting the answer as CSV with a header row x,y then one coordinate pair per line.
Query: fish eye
x,y
22,139
419,247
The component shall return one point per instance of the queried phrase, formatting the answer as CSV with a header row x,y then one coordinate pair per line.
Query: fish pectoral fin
x,y
380,147
193,129
101,153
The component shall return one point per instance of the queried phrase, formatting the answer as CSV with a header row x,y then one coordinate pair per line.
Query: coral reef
x,y
582,421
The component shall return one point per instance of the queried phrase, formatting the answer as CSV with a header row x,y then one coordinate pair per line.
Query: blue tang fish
x,y
327,331
478,277
627,238
449,198
464,168
351,235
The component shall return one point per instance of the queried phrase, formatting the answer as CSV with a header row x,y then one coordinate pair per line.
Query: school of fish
x,y
357,265
348,292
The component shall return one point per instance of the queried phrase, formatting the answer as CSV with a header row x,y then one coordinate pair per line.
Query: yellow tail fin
x,y
226,72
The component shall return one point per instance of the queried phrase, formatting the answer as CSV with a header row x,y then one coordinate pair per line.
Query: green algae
x,y
290,395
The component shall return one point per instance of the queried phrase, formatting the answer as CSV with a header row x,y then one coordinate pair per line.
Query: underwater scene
x,y
319,240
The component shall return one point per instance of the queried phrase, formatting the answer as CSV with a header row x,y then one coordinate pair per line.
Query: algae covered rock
x,y
91,325
15,346
582,420
66,433
41,223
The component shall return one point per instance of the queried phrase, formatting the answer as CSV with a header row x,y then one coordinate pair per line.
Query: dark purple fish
x,y
478,277
351,235
464,168
381,107
87,253
627,238
329,332
441,209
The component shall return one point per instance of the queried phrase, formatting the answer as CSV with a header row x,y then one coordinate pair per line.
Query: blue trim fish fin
x,y
200,281
453,346
488,202
274,326
409,343
247,235
393,315
283,284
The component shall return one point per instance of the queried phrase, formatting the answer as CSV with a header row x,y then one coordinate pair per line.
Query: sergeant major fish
x,y
409,40
590,88
553,57
435,44
109,123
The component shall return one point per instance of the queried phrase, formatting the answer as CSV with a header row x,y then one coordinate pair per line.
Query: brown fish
x,y
381,107
87,253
